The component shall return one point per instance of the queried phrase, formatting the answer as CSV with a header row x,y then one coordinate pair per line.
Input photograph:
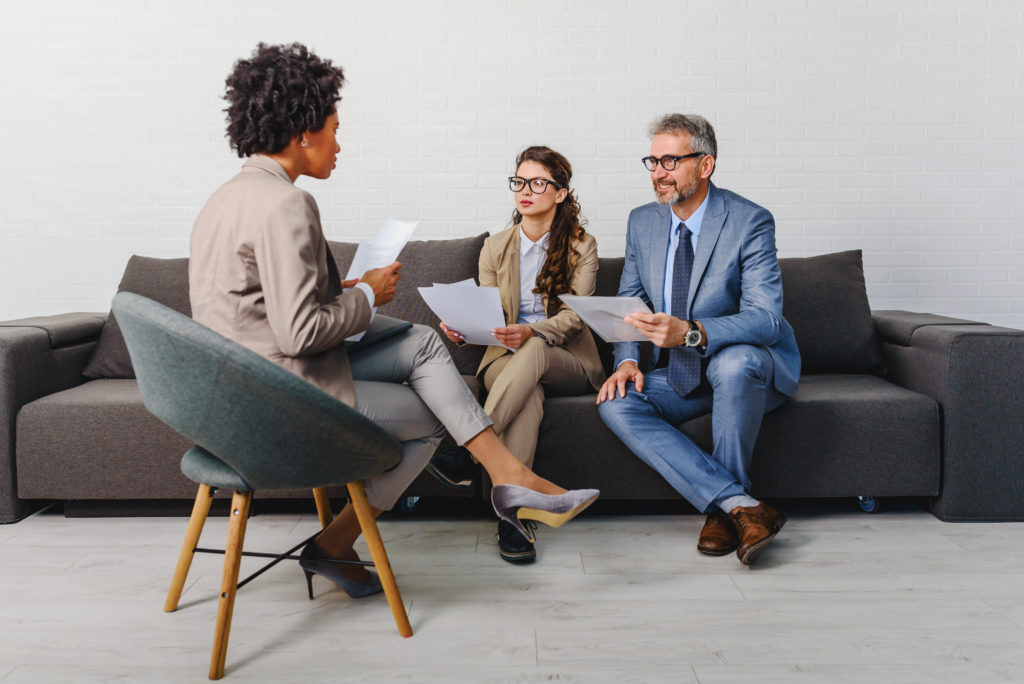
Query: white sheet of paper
x,y
473,311
604,315
379,251
382,249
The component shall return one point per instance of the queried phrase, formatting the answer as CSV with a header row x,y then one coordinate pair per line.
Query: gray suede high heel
x,y
513,503
315,560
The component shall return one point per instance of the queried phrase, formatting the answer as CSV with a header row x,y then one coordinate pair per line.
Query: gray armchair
x,y
255,426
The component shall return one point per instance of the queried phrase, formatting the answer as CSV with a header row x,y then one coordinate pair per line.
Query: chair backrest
x,y
272,427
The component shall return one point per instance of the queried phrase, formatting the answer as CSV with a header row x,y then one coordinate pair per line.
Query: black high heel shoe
x,y
513,503
315,561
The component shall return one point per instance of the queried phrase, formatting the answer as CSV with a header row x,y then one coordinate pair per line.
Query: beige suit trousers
x,y
409,386
516,385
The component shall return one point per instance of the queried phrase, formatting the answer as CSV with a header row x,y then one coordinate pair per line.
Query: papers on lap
x,y
473,311
604,315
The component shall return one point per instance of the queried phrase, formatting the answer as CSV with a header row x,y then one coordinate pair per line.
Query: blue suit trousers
x,y
740,393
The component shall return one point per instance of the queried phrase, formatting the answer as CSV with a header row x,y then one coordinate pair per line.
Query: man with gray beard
x,y
704,259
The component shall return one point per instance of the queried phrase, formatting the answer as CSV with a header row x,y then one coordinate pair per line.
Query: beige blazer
x,y
499,267
260,274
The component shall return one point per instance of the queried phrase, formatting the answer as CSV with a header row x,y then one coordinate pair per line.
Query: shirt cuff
x,y
624,361
368,291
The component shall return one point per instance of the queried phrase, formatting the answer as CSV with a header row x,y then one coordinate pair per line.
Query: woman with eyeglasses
x,y
546,252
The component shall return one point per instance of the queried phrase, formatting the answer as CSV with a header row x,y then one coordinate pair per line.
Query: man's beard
x,y
680,195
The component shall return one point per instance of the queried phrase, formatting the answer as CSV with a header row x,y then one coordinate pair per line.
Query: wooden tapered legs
x,y
368,523
200,510
323,506
240,503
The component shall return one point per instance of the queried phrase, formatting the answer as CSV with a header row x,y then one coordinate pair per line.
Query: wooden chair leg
x,y
368,524
323,506
240,503
200,510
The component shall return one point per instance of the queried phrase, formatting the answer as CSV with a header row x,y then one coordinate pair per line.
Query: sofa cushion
x,y
840,435
425,262
826,302
162,280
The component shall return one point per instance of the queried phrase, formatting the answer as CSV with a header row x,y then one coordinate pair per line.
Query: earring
x,y
305,142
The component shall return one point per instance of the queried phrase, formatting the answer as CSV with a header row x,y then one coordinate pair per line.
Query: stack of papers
x,y
605,315
473,311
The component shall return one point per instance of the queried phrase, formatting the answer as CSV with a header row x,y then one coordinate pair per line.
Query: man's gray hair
x,y
702,135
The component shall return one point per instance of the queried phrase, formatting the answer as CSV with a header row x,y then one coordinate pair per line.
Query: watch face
x,y
693,338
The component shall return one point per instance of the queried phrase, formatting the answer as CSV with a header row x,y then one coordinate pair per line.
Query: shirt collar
x,y
694,222
525,244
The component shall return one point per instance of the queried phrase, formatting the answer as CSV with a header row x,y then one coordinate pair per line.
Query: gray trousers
x,y
409,386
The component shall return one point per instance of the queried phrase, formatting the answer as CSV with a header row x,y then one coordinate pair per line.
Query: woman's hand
x,y
513,336
384,282
453,335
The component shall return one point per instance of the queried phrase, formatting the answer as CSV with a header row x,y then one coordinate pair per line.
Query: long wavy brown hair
x,y
566,228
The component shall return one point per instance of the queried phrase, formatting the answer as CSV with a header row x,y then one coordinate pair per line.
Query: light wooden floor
x,y
841,596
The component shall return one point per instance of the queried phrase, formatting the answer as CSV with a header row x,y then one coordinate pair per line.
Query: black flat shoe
x,y
512,546
454,467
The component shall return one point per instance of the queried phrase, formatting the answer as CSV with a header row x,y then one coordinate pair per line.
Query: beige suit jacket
x,y
259,275
499,267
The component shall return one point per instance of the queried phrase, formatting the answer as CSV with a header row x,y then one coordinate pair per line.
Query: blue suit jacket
x,y
736,285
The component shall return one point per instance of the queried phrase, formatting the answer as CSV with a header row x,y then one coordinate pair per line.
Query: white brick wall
x,y
892,127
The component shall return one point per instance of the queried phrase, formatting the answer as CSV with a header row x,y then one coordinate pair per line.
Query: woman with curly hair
x,y
546,252
261,274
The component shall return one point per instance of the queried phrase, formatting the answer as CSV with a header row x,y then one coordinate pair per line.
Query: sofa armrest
x,y
38,356
974,372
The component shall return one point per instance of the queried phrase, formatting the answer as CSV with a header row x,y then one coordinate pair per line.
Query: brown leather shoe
x,y
757,526
718,536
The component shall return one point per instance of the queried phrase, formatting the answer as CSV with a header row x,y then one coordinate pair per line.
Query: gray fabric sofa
x,y
890,404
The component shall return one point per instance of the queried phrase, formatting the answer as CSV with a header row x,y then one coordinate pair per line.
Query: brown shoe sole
x,y
755,550
717,552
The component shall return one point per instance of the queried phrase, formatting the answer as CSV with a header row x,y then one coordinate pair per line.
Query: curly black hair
x,y
279,92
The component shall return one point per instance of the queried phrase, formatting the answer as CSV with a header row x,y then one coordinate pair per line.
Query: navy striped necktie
x,y
683,362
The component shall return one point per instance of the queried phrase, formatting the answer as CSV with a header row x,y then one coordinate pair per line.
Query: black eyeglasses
x,y
538,185
669,162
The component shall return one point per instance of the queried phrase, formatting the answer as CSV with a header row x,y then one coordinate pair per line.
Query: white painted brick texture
x,y
892,127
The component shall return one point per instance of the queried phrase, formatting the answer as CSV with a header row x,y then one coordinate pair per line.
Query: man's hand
x,y
452,334
513,336
627,371
660,328
384,282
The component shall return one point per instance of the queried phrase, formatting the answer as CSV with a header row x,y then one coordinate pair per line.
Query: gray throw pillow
x,y
162,280
826,302
425,262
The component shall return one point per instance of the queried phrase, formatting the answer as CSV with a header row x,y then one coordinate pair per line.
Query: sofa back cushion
x,y
425,262
826,301
162,280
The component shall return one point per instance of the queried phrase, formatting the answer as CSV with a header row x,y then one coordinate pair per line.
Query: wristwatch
x,y
693,338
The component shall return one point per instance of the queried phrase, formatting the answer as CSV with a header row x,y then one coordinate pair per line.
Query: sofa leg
x,y
200,510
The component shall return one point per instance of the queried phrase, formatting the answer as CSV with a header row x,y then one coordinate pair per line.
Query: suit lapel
x,y
658,241
508,277
710,229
